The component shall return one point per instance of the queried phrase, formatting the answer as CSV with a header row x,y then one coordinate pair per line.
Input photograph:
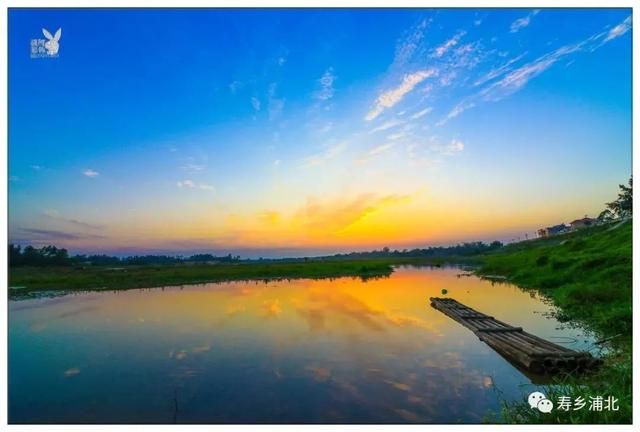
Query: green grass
x,y
588,276
586,273
32,279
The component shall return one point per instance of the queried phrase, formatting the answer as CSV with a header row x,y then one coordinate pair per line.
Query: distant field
x,y
28,279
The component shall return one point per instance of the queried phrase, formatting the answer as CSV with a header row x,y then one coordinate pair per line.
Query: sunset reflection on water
x,y
308,351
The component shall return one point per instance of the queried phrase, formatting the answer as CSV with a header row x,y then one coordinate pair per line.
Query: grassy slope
x,y
587,274
32,279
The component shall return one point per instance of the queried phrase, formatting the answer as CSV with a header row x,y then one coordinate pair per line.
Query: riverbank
x,y
27,280
588,276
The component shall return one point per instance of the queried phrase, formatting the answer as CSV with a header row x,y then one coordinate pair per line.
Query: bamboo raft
x,y
527,351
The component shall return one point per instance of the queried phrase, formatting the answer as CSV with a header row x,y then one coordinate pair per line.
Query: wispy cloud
x,y
498,71
380,149
193,167
234,86
513,80
377,150
421,113
619,30
447,78
330,153
40,235
190,184
396,136
36,167
410,45
454,147
523,22
90,173
326,90
391,97
255,103
54,214
327,217
447,45
386,125
432,151
456,111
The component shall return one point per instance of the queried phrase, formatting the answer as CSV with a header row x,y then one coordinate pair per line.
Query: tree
x,y
15,255
623,206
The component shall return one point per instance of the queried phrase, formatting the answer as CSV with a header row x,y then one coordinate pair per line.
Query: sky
x,y
275,132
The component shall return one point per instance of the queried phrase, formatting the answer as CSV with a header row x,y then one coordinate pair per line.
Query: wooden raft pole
x,y
528,351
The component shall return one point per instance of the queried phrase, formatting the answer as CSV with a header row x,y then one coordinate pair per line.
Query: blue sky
x,y
305,131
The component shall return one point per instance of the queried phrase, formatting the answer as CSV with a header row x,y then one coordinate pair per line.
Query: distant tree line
x,y
45,256
462,249
53,256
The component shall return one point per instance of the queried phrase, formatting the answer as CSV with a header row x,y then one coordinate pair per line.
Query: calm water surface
x,y
303,351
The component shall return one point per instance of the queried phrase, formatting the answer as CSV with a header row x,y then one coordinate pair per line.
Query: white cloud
x,y
186,184
90,173
326,155
234,86
326,90
326,128
518,78
619,30
386,125
521,23
446,46
396,136
411,45
447,78
514,80
455,146
377,150
207,187
499,71
432,152
421,113
380,149
456,111
36,167
190,184
255,103
193,167
391,97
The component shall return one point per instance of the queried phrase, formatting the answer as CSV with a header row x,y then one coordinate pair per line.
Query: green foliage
x,y
95,278
588,274
45,256
622,207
